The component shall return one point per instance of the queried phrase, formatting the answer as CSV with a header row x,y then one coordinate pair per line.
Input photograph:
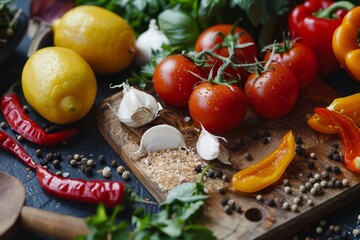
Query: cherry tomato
x,y
273,93
209,38
300,59
174,79
219,108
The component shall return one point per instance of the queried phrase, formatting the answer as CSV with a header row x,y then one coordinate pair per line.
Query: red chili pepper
x,y
349,134
107,192
9,144
314,22
20,122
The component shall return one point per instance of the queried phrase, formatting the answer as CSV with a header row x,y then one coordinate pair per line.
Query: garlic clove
x,y
209,148
161,137
137,108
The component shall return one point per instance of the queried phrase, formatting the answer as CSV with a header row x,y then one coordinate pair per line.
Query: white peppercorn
x,y
58,173
90,162
355,232
294,208
312,155
259,198
310,202
287,190
302,188
125,175
317,176
323,183
286,206
319,230
120,169
106,172
345,182
77,156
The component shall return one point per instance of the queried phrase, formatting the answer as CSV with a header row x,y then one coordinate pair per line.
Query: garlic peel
x,y
161,137
137,108
209,148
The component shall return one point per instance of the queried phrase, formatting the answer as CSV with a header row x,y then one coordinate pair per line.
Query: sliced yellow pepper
x,y
268,170
346,43
348,106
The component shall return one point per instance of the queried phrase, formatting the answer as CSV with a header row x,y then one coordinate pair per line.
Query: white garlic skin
x,y
137,108
209,148
161,137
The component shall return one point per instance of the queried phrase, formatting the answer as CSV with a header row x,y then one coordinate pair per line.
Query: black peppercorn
x,y
330,155
299,149
238,209
298,140
311,164
271,202
224,201
218,174
336,170
101,159
266,140
211,174
198,168
88,170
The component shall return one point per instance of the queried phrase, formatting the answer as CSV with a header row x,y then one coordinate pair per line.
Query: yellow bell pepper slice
x,y
348,106
269,170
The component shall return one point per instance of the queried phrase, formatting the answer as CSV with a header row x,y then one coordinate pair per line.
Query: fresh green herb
x,y
8,20
175,220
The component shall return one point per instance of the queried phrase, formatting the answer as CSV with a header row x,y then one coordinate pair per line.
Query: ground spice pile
x,y
170,168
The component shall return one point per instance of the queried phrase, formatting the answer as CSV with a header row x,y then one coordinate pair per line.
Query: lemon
x,y
105,40
59,84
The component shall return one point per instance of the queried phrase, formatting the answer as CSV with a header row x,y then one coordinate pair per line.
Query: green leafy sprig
x,y
175,220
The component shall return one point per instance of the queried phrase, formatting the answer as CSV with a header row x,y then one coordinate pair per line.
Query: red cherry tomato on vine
x,y
300,59
209,38
174,79
219,108
273,93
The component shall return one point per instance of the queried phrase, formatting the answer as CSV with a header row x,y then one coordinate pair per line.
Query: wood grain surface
x,y
257,220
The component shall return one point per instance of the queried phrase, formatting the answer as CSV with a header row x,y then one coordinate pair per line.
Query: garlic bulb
x,y
161,137
151,39
209,148
137,108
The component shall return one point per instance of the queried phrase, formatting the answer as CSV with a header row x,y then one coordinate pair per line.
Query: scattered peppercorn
x,y
285,206
65,174
238,209
73,162
311,164
271,202
218,173
38,152
298,140
266,140
295,208
345,182
120,169
248,156
26,108
259,198
101,159
198,168
125,175
231,203
89,171
313,155
337,157
56,163
286,182
19,138
299,149
106,172
90,163
77,157
336,170
225,178
330,155
227,209
114,163
211,174
224,201
3,125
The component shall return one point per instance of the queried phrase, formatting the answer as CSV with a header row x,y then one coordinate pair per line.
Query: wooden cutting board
x,y
257,220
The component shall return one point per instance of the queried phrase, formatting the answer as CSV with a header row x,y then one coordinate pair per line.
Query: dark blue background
x,y
91,144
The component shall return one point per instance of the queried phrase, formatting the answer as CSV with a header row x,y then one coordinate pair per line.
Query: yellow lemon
x,y
59,84
105,40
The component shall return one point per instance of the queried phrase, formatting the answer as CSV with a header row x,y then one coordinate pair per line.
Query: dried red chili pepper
x,y
9,144
20,122
349,134
109,193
